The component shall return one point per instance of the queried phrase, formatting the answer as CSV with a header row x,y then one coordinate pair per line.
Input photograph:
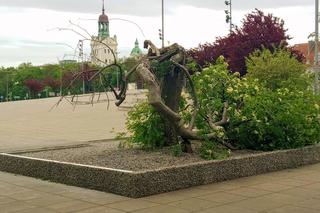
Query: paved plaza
x,y
32,124
290,191
29,125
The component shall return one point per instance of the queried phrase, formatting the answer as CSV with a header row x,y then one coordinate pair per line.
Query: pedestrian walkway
x,y
30,124
288,191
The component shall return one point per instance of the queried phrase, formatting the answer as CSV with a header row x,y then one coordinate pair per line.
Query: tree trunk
x,y
171,93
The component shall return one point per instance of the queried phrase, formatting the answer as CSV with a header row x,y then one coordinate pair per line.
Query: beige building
x,y
103,47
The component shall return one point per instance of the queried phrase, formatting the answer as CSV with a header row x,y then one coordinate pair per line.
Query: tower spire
x,y
103,7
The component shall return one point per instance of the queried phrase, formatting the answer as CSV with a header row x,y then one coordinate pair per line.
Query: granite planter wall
x,y
145,183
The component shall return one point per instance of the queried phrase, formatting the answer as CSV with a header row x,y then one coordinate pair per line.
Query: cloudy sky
x,y
29,34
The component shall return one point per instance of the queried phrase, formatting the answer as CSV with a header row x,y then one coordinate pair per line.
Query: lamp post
x,y
316,48
162,29
7,86
229,13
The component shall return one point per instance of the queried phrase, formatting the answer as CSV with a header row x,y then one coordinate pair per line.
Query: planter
x,y
144,183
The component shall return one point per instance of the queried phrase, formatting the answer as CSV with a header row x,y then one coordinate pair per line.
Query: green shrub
x,y
145,126
211,151
177,150
273,120
261,118
277,69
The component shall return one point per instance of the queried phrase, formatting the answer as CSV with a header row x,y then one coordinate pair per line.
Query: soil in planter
x,y
107,154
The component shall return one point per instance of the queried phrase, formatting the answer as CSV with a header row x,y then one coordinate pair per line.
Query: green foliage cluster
x,y
273,107
177,150
12,79
277,69
273,120
210,150
146,127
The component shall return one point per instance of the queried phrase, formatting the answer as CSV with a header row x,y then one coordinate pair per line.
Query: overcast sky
x,y
27,35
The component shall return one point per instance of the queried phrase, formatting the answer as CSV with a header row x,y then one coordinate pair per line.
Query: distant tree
x,y
258,31
277,69
51,82
35,86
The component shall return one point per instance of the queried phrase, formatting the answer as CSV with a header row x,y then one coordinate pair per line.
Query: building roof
x,y
103,18
136,51
307,49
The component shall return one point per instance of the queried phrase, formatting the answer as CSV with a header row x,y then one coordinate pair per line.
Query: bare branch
x,y
152,48
225,118
193,94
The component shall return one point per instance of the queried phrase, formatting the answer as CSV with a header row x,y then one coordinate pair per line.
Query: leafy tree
x,y
258,30
52,83
146,127
277,69
35,86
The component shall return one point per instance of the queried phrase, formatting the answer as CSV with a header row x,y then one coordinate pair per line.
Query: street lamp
x,y
316,48
229,13
162,30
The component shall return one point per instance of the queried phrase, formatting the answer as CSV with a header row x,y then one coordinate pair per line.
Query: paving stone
x,y
14,206
162,209
222,197
291,209
4,200
101,209
166,198
28,195
228,209
193,204
48,200
248,192
71,206
258,204
309,203
132,205
272,187
37,210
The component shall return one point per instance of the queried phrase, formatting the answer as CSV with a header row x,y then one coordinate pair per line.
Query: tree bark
x,y
171,93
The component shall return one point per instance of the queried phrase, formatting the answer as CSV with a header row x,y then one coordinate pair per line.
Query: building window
x,y
105,51
108,51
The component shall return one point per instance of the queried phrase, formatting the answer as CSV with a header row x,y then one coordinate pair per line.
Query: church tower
x,y
103,47
103,24
136,51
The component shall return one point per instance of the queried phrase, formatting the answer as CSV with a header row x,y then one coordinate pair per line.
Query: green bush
x,y
212,151
277,69
177,150
145,126
273,120
261,118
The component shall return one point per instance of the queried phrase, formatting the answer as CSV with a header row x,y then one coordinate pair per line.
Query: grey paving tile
x,y
101,209
162,209
28,195
222,197
272,187
309,203
71,206
258,204
4,200
132,205
193,204
228,209
14,206
166,198
291,209
247,191
48,200
36,210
